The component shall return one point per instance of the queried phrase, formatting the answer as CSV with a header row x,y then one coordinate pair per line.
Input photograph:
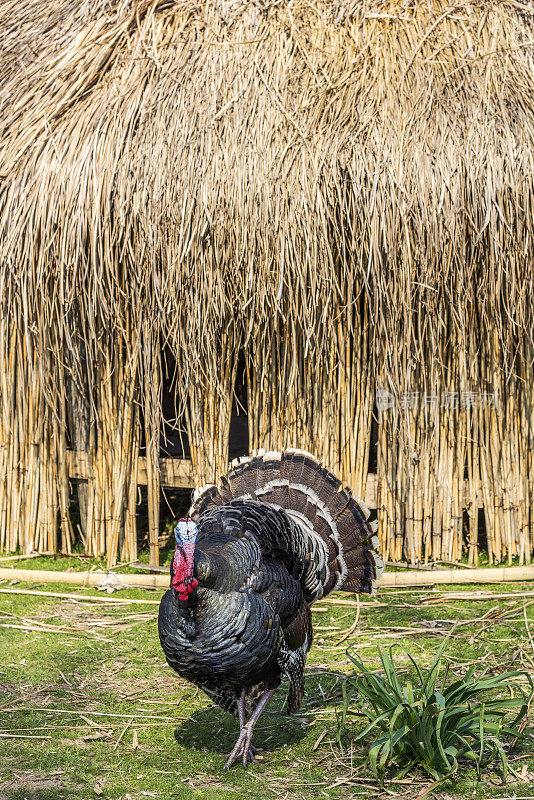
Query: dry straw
x,y
340,191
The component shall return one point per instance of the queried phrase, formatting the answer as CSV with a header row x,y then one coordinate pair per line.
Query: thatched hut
x,y
335,195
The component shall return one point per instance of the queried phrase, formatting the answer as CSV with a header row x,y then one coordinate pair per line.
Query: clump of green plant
x,y
416,725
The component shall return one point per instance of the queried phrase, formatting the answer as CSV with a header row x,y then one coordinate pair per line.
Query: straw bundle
x,y
340,190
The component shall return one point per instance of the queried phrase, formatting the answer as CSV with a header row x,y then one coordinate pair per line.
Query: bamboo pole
x,y
389,579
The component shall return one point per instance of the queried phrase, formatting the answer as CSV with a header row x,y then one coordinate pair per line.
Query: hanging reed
x,y
342,192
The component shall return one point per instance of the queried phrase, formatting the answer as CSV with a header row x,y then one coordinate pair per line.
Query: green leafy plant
x,y
417,725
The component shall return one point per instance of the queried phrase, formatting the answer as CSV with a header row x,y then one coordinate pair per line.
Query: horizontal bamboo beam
x,y
175,472
425,577
98,579
178,473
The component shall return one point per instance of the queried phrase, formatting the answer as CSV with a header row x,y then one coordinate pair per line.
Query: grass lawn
x,y
88,707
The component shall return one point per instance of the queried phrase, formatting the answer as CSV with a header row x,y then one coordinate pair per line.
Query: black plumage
x,y
259,566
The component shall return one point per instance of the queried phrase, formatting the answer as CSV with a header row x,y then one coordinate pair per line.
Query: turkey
x,y
278,533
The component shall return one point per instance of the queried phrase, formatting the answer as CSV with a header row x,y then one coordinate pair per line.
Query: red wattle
x,y
183,580
184,588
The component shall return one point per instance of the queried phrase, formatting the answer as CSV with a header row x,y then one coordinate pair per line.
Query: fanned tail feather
x,y
316,500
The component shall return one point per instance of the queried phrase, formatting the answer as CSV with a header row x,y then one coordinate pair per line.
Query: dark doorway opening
x,y
238,444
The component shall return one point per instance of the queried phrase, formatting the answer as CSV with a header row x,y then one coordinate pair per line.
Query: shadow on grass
x,y
216,731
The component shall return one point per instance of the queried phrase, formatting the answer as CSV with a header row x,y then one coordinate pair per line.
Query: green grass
x,y
107,659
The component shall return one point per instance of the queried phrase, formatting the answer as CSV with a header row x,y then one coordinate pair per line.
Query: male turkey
x,y
279,533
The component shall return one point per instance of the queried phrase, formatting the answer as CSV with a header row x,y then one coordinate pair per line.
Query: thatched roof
x,y
258,164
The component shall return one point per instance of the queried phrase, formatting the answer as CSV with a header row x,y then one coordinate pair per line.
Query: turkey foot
x,y
243,747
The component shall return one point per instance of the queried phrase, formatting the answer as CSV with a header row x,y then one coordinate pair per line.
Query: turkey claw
x,y
243,749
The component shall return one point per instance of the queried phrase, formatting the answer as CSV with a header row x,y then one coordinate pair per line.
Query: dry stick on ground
x,y
75,713
122,733
353,626
451,597
81,597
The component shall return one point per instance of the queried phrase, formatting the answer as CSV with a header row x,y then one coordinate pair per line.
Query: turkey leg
x,y
242,721
243,745
241,708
